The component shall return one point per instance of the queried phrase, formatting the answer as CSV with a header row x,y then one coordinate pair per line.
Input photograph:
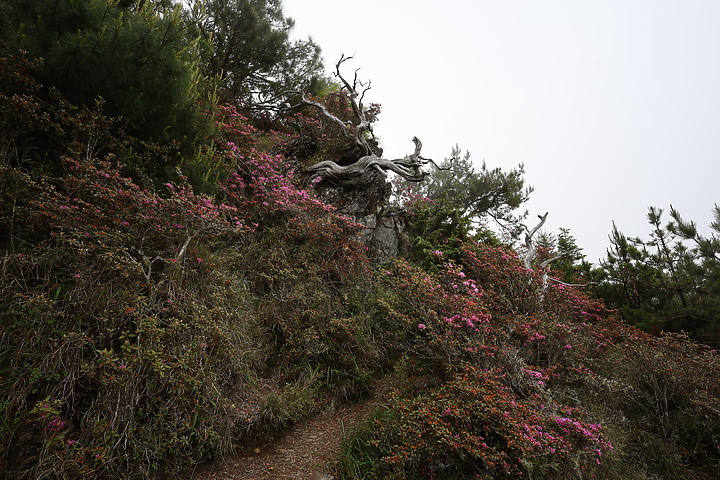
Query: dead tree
x,y
531,251
409,167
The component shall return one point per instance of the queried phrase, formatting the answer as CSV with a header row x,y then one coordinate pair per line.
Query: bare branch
x,y
343,125
363,123
530,254
572,284
547,262
408,167
183,249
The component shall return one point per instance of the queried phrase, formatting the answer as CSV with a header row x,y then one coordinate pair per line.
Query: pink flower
x,y
422,326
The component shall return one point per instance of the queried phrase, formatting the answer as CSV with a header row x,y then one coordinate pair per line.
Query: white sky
x,y
611,105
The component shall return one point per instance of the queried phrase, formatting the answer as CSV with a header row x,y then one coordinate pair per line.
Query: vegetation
x,y
669,282
140,63
172,287
246,48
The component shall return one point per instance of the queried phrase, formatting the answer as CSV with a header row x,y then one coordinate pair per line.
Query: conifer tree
x,y
670,282
136,57
482,195
247,48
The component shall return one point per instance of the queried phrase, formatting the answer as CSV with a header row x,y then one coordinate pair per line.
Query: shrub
x,y
121,339
506,378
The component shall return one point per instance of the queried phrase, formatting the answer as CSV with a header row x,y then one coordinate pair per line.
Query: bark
x,y
408,167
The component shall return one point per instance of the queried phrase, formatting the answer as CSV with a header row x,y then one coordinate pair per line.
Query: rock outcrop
x,y
367,201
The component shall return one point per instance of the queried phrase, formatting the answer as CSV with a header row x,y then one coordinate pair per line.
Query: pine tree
x,y
137,58
247,48
670,282
482,195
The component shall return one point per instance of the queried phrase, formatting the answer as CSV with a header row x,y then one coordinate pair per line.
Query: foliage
x,y
437,229
39,127
153,321
456,204
505,379
480,195
569,265
145,331
137,61
247,48
663,283
104,321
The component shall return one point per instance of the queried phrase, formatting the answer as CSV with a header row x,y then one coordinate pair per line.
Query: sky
x,y
611,105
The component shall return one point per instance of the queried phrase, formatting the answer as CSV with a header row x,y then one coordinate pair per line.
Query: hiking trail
x,y
306,452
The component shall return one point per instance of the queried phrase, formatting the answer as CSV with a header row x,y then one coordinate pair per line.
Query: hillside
x,y
205,276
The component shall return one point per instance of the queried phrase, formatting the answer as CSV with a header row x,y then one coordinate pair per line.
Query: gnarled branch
x,y
408,167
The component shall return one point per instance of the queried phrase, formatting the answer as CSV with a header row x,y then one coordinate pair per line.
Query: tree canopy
x,y
483,195
247,48
140,63
669,281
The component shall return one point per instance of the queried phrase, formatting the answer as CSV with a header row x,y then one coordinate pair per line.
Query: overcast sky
x,y
612,106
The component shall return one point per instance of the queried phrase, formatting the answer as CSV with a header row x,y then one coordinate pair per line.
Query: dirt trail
x,y
306,452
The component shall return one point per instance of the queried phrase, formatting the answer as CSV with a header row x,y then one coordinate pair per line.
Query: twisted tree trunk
x,y
408,168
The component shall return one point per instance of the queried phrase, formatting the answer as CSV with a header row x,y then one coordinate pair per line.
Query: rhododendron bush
x,y
112,360
509,380
139,325
156,315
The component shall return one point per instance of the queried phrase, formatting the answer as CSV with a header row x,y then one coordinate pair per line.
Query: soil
x,y
306,452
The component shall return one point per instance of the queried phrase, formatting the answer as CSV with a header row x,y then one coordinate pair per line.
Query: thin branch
x,y
181,253
343,125
572,284
547,262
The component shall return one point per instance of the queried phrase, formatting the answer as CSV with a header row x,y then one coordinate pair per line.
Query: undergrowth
x,y
147,326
